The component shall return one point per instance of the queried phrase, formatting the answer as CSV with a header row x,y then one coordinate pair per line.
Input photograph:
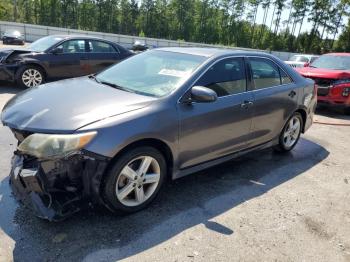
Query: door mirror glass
x,y
203,94
57,50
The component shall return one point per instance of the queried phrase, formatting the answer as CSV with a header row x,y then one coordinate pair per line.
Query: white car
x,y
301,60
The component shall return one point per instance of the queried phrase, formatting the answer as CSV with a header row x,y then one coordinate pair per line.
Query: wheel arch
x,y
33,64
158,144
303,114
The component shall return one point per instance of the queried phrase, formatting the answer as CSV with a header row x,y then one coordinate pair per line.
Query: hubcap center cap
x,y
139,181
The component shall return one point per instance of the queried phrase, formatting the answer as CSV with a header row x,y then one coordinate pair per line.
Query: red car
x,y
331,73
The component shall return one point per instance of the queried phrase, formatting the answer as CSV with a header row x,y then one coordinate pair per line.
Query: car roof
x,y
339,54
80,36
306,55
207,51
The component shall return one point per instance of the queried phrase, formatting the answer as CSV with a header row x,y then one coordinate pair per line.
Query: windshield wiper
x,y
116,86
93,77
312,66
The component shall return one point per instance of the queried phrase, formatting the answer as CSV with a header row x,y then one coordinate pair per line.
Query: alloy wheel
x,y
137,181
32,77
292,132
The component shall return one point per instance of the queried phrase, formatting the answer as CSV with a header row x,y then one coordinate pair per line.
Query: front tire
x,y
134,180
30,76
290,134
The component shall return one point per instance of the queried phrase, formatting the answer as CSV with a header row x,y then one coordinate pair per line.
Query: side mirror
x,y
203,94
57,50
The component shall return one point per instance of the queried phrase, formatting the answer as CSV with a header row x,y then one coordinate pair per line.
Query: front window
x,y
332,62
298,58
226,77
44,43
153,73
73,46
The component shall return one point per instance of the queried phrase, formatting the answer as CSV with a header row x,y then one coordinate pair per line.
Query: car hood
x,y
67,105
6,52
323,73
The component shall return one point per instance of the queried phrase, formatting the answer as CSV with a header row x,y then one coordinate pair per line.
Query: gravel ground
x,y
261,207
12,46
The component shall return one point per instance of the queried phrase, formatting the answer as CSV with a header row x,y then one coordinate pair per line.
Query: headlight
x,y
49,146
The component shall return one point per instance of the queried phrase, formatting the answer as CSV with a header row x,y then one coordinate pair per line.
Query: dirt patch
x,y
317,228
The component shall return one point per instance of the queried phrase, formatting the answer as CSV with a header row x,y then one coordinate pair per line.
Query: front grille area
x,y
323,85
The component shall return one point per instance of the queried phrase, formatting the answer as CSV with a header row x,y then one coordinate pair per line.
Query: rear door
x,y
212,130
101,55
275,99
72,62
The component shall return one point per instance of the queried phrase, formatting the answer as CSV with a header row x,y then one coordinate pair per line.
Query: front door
x,y
212,130
73,62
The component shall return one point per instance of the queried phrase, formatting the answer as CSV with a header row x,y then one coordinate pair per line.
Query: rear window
x,y
100,47
265,73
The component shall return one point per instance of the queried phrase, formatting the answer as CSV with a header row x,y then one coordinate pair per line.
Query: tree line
x,y
224,22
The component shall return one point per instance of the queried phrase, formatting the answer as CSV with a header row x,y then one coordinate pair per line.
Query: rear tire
x,y
290,134
134,180
347,111
30,76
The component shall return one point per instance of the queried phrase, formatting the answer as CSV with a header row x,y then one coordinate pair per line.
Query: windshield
x,y
44,43
298,58
13,33
152,73
332,62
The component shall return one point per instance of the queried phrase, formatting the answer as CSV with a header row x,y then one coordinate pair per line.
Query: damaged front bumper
x,y
57,188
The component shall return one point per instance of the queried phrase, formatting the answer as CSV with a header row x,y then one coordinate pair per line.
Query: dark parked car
x,y
12,37
58,57
115,137
331,73
139,47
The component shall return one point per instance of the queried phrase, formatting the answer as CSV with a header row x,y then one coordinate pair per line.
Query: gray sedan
x,y
113,138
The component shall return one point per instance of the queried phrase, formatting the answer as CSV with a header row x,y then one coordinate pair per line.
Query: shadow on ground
x,y
335,113
9,88
97,235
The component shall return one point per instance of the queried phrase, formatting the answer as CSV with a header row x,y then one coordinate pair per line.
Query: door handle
x,y
292,94
84,58
246,104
